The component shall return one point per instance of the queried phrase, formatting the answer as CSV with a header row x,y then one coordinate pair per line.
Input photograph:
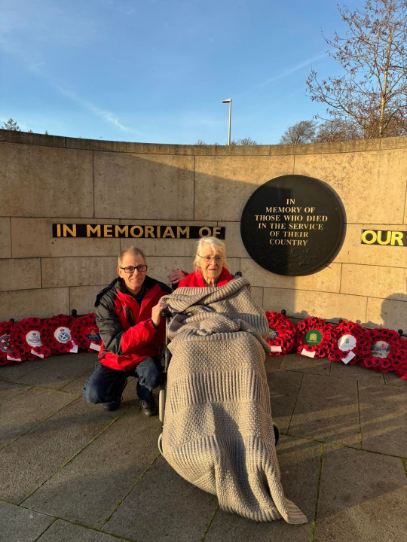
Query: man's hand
x,y
176,275
156,312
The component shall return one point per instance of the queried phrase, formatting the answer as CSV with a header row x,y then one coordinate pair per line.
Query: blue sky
x,y
158,70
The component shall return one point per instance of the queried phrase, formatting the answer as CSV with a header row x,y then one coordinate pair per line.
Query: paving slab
x,y
163,506
62,531
27,409
273,363
355,372
21,525
76,386
8,390
295,362
362,497
89,488
30,460
383,418
391,379
284,388
327,410
12,373
60,370
300,464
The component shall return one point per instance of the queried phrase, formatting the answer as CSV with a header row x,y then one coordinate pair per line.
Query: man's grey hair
x,y
133,250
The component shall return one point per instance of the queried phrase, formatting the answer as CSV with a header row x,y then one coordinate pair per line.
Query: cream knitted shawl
x,y
218,431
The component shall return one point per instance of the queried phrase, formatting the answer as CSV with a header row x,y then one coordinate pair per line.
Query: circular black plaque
x,y
293,225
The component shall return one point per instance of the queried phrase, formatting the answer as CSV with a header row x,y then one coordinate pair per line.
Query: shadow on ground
x,y
71,471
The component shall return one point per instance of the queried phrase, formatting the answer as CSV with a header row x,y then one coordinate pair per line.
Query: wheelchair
x,y
165,361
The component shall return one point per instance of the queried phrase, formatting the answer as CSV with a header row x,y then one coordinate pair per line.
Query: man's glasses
x,y
208,259
130,269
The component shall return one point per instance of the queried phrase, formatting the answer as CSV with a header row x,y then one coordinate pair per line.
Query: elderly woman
x,y
218,432
211,267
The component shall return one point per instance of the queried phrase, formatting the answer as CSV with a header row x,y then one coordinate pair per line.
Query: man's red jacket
x,y
125,327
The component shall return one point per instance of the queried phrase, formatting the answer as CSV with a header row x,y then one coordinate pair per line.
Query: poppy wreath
x,y
351,343
5,343
281,336
25,338
386,353
85,333
19,348
401,369
314,337
56,333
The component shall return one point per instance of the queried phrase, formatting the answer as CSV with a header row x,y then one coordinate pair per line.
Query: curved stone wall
x,y
48,179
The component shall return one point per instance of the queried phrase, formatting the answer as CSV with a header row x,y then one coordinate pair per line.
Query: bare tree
x,y
11,125
302,132
244,141
337,130
372,92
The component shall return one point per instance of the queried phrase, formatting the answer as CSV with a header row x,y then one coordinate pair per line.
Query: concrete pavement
x,y
73,472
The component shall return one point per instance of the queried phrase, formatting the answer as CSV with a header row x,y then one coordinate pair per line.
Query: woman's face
x,y
210,263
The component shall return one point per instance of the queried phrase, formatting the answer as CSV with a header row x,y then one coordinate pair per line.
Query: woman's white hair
x,y
216,245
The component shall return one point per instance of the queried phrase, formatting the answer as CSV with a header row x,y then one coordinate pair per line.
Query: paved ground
x,y
72,472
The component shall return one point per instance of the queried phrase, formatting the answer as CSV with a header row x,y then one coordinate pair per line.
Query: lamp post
x,y
229,101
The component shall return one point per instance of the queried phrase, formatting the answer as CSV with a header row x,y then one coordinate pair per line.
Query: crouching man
x,y
128,313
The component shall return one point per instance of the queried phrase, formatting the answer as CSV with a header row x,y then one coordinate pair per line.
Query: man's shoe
x,y
149,408
114,405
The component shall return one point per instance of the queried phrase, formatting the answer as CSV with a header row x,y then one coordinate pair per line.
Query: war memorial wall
x,y
319,230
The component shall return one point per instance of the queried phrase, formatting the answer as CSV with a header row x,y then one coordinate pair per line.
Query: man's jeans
x,y
106,385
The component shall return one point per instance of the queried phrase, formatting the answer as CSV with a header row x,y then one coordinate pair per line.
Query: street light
x,y
229,101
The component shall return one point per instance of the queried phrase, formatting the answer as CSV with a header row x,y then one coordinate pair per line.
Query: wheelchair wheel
x,y
161,404
276,434
160,443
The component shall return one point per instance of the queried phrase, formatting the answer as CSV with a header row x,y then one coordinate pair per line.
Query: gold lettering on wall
x,y
118,230
68,231
93,230
168,233
137,231
107,231
290,217
182,231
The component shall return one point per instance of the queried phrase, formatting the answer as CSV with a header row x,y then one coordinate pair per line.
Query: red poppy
x,y
6,348
401,368
314,337
387,351
86,333
26,341
351,343
57,334
281,337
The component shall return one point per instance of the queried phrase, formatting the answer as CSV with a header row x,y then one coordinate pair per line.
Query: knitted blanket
x,y
218,431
